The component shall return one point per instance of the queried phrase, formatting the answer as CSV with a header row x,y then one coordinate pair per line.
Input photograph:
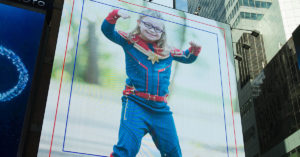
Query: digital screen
x,y
20,35
128,80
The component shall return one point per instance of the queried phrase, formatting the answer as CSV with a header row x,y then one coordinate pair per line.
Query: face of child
x,y
151,28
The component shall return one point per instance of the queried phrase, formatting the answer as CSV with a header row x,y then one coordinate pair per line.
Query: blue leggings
x,y
136,122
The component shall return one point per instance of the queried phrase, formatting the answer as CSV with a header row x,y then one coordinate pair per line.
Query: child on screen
x,y
148,68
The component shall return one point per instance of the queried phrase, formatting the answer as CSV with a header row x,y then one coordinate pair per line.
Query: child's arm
x,y
187,56
108,27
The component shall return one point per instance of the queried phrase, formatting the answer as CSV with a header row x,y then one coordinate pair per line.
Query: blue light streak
x,y
22,78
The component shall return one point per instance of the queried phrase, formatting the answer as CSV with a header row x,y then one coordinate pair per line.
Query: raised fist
x,y
123,14
195,48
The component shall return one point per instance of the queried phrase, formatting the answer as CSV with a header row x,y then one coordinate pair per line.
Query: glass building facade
x,y
245,9
212,9
270,102
277,104
252,50
266,16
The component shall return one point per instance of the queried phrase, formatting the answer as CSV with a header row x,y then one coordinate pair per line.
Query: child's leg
x,y
164,135
132,130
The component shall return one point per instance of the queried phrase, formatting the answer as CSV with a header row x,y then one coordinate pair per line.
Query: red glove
x,y
194,49
113,17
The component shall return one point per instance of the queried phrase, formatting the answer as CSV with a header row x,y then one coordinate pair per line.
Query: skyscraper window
x,y
257,4
251,2
258,16
263,4
253,16
247,15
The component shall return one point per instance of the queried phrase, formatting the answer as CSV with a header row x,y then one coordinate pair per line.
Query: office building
x,y
265,16
246,99
277,105
245,11
251,49
269,104
212,9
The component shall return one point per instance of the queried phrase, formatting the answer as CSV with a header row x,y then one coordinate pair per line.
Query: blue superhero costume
x,y
144,105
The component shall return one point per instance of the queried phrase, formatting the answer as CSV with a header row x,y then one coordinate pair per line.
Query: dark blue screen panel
x,y
20,35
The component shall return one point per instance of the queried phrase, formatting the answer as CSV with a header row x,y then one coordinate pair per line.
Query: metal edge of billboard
x,y
34,115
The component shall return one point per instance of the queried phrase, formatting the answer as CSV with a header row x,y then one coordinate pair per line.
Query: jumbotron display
x,y
132,78
19,48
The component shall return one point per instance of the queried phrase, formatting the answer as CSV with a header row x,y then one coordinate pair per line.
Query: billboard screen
x,y
19,47
132,78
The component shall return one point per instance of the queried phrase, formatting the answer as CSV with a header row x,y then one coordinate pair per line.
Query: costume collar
x,y
142,46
